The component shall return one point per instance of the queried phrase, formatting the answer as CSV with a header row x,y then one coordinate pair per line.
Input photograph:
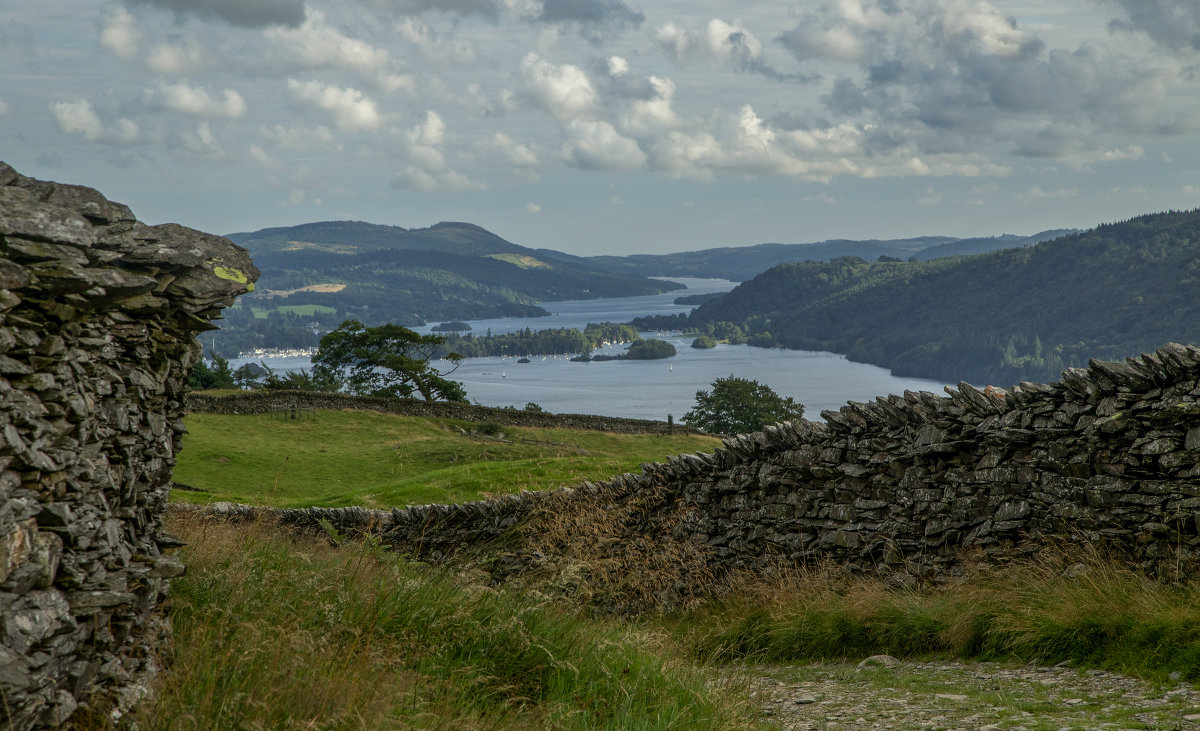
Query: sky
x,y
613,126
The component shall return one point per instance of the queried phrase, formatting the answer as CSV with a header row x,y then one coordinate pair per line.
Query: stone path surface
x,y
883,693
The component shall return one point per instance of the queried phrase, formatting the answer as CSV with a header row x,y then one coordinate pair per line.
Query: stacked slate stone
x,y
912,487
917,485
98,317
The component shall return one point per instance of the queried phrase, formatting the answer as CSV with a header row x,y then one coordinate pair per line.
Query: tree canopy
x,y
739,405
388,360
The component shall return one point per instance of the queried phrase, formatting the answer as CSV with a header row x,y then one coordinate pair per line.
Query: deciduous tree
x,y
388,360
739,405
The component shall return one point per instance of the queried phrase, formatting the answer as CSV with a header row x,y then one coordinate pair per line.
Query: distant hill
x,y
1016,314
740,263
329,271
993,243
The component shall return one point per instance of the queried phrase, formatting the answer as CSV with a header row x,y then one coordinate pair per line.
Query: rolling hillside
x,y
1017,314
331,271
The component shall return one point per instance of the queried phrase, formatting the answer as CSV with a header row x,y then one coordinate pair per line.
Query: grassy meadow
x,y
277,631
337,458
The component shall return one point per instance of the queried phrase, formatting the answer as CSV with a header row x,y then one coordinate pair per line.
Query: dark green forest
x,y
999,318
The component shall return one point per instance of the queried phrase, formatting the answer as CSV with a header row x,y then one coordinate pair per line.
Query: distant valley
x,y
986,310
316,275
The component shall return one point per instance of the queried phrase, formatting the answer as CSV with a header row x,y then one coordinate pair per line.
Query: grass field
x,y
338,458
272,633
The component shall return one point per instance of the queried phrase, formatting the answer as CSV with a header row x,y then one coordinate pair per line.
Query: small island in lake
x,y
454,326
640,350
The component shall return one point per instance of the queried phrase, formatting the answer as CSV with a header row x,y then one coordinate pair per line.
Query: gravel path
x,y
883,693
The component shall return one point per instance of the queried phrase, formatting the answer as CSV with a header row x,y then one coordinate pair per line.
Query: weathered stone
x,y
83,450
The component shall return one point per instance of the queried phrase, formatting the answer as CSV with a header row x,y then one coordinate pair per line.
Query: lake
x,y
653,389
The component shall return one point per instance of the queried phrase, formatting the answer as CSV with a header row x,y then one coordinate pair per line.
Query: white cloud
x,y
1133,152
4,108
646,115
198,102
516,154
317,45
389,83
596,145
716,44
119,34
301,138
533,208
200,140
564,91
350,108
176,59
428,169
440,49
260,156
78,117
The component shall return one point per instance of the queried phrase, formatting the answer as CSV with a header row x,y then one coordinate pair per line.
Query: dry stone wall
x,y
98,317
912,486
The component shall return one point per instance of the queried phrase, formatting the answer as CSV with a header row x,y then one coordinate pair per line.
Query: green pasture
x,y
337,458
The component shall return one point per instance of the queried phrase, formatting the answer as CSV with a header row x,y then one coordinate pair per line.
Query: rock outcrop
x,y
98,317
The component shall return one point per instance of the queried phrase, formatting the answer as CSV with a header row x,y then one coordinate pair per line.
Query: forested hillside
x,y
1017,314
740,263
331,271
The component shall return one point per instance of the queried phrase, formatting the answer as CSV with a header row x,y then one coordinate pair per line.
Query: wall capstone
x,y
98,317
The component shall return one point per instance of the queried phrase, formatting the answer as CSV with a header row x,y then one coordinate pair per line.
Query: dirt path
x,y
887,694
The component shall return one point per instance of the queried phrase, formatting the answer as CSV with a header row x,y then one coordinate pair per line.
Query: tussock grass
x,y
273,632
1099,614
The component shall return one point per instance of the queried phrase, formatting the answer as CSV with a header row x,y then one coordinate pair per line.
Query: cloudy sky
x,y
613,126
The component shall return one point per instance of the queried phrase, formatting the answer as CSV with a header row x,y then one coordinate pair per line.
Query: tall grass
x,y
1105,616
276,633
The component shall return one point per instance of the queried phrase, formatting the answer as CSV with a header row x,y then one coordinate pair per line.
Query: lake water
x,y
653,389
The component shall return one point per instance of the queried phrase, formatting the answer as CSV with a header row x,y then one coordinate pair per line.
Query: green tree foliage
x,y
204,377
387,360
542,342
704,342
739,405
1002,317
650,350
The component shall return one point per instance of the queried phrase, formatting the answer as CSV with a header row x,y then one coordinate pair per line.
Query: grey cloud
x,y
1172,23
629,85
745,60
247,13
594,12
846,98
961,83
594,18
486,9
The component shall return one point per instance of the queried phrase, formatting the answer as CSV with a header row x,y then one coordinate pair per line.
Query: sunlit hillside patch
x,y
525,262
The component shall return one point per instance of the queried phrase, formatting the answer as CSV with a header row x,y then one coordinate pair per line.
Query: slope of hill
x,y
1016,314
740,263
993,243
334,270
